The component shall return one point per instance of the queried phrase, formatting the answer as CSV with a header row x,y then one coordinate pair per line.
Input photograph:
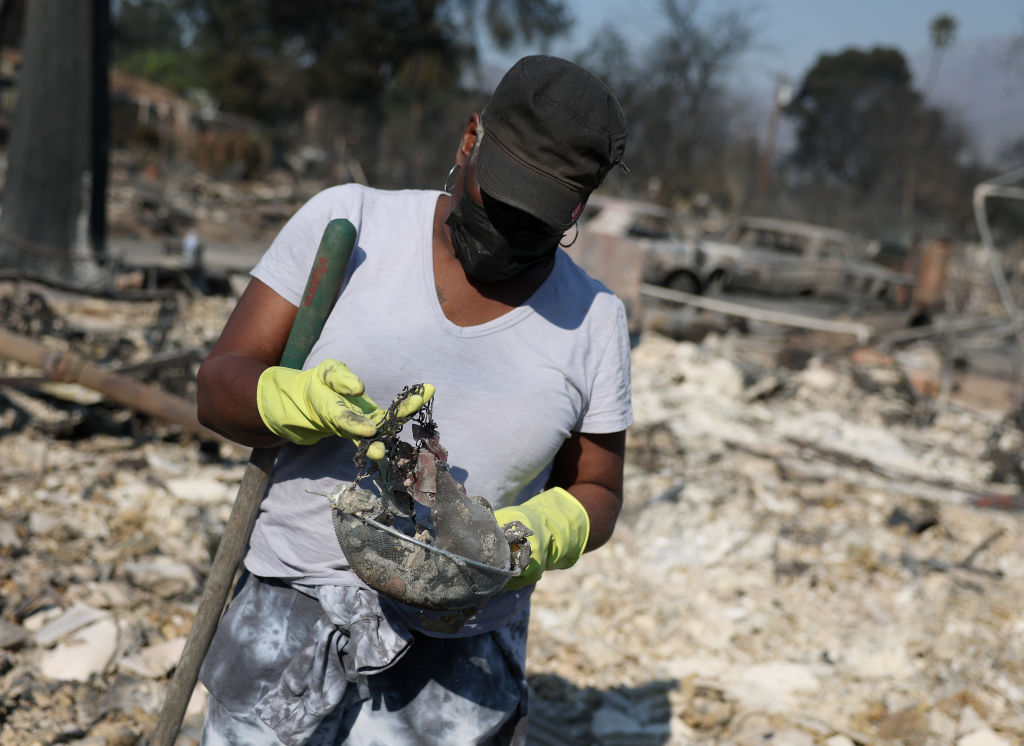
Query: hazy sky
x,y
975,81
791,34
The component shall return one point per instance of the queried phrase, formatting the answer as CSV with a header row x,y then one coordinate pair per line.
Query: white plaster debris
x,y
154,661
38,619
9,538
838,740
76,617
161,575
83,654
199,489
798,561
762,554
771,686
982,737
791,737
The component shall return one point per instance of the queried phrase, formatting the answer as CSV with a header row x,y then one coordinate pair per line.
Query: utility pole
x,y
783,95
942,31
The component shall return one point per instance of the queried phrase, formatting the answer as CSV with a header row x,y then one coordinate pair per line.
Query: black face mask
x,y
497,243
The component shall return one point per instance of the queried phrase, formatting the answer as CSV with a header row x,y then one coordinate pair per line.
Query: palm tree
x,y
942,31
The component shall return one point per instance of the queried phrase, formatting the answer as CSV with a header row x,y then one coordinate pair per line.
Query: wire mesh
x,y
413,571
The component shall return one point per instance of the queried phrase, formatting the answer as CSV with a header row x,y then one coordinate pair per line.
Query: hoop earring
x,y
567,245
445,187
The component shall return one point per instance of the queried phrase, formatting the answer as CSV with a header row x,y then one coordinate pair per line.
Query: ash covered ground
x,y
817,553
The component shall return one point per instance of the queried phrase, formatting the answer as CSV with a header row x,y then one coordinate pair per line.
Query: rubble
x,y
804,556
801,567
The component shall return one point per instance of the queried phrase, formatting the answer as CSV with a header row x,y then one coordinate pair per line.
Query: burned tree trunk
x,y
48,147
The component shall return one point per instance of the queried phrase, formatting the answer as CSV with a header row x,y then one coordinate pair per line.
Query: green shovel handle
x,y
322,288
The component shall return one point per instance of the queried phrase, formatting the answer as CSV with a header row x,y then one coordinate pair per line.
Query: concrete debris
x,y
806,567
198,489
838,741
85,653
163,576
78,616
9,538
803,556
154,661
12,635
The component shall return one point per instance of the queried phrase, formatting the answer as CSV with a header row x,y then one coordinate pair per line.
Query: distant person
x,y
470,292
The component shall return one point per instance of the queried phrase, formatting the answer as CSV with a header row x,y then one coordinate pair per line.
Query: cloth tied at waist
x,y
351,640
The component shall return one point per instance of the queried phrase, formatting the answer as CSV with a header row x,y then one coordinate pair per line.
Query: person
x,y
527,360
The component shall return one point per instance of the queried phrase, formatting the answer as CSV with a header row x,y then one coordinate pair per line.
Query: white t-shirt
x,y
509,392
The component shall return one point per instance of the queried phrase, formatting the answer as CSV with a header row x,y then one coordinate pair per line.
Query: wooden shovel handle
x,y
322,288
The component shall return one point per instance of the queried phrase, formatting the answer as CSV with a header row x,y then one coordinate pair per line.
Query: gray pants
x,y
284,668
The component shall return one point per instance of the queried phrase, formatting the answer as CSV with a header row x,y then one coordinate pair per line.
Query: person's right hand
x,y
304,406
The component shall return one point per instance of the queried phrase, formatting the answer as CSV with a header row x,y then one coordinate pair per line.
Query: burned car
x,y
787,257
668,257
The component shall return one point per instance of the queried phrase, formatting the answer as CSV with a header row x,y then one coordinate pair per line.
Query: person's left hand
x,y
560,527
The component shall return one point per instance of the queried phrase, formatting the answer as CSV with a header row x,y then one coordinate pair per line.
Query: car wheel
x,y
716,284
684,282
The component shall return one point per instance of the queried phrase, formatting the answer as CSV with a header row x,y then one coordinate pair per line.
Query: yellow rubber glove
x,y
560,526
304,406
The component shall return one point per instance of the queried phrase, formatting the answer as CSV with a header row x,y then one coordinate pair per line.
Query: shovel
x,y
322,288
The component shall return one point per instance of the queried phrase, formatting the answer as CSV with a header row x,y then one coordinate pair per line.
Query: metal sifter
x,y
423,540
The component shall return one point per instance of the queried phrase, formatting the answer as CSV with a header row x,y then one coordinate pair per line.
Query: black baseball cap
x,y
552,131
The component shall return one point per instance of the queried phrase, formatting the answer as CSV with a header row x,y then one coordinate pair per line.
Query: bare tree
x,y
48,148
673,89
684,106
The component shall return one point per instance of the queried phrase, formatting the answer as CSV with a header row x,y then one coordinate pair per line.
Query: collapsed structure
x,y
821,543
